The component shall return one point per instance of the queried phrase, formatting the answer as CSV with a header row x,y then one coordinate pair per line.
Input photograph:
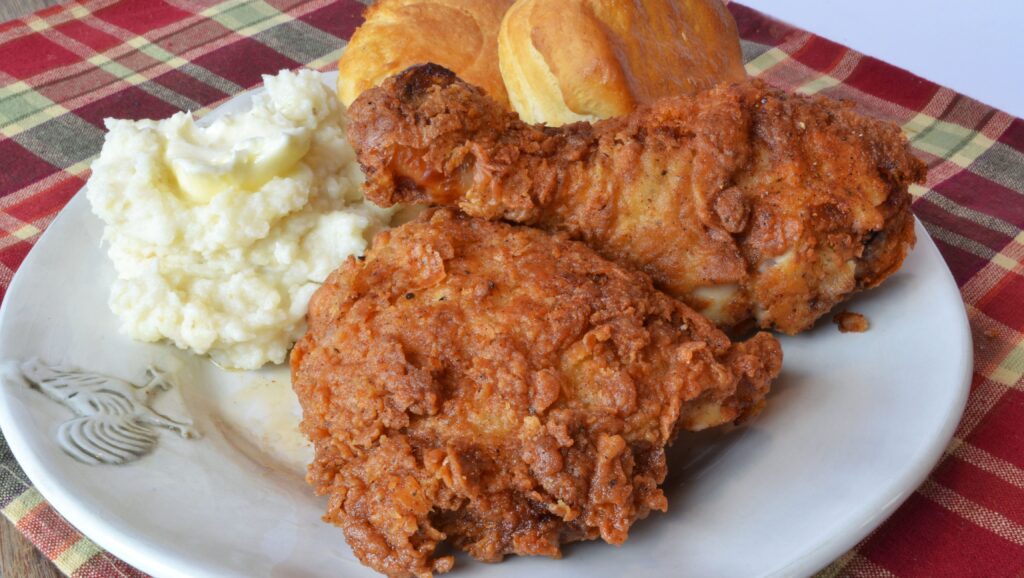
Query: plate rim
x,y
906,485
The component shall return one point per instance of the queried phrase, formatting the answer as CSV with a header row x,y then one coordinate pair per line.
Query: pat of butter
x,y
236,153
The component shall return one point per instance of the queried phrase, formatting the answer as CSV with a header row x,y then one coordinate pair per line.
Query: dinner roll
x,y
458,34
570,60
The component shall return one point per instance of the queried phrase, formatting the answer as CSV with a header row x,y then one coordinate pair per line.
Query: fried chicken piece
x,y
746,202
504,389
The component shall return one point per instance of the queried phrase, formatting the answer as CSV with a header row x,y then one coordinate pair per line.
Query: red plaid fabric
x,y
63,70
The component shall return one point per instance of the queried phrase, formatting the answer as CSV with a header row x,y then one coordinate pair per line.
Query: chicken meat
x,y
504,389
752,205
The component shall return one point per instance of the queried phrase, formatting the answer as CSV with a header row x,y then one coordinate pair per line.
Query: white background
x,y
975,47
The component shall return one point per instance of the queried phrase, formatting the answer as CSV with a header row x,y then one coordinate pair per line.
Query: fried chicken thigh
x,y
748,203
505,389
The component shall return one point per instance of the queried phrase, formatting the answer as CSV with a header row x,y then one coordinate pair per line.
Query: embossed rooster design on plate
x,y
115,423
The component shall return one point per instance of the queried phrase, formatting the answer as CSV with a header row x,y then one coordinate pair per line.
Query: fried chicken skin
x,y
505,389
744,201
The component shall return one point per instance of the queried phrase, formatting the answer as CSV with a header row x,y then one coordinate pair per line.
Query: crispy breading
x,y
744,201
851,322
505,389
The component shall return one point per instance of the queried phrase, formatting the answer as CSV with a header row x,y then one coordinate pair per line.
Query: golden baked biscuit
x,y
458,34
570,60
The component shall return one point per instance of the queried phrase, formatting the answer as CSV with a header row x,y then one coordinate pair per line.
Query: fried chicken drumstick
x,y
746,202
504,389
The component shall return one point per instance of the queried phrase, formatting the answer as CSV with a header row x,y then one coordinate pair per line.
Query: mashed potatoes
x,y
219,235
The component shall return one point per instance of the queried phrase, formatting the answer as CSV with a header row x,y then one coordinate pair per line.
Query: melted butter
x,y
237,152
267,413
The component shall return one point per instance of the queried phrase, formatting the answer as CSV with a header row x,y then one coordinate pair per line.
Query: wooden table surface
x,y
18,557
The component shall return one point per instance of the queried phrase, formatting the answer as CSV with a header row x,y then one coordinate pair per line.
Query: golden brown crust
x,y
744,201
850,322
503,388
569,60
459,34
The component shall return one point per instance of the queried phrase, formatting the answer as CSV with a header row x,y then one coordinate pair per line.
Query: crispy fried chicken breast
x,y
505,389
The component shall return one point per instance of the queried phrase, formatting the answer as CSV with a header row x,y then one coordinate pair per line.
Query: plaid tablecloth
x,y
64,69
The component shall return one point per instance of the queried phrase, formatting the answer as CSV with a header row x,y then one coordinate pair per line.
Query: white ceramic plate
x,y
852,427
